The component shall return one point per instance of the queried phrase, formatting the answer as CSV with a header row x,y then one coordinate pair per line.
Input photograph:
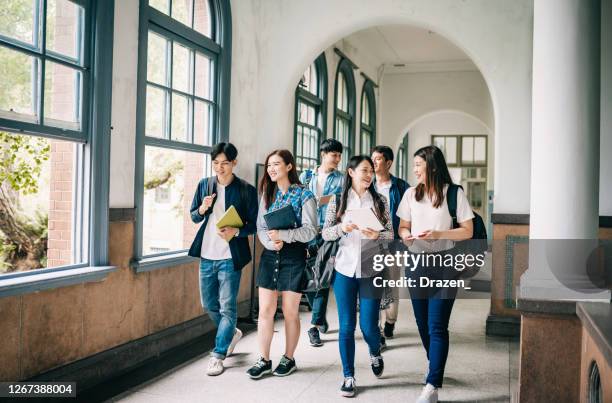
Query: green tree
x,y
23,239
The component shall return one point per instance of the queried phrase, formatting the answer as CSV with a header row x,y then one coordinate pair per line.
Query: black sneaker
x,y
383,343
348,387
285,367
315,339
324,328
389,328
261,368
378,365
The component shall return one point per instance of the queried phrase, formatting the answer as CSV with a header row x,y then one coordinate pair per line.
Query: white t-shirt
x,y
213,246
321,178
384,189
423,216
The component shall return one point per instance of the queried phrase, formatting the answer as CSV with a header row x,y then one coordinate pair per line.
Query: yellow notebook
x,y
230,219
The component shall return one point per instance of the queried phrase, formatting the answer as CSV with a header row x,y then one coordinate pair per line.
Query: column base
x,y
504,326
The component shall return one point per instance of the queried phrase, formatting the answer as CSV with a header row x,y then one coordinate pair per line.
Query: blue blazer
x,y
244,198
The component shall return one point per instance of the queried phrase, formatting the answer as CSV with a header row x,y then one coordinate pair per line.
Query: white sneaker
x,y
215,366
235,340
429,394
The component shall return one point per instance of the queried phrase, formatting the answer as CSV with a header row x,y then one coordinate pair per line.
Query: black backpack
x,y
478,244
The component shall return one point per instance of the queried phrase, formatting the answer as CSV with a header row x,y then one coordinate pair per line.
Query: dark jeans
x,y
318,303
432,317
347,290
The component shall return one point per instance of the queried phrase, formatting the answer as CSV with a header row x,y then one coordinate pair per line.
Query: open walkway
x,y
479,369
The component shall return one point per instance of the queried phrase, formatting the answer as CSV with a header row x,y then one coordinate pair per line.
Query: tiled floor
x,y
479,368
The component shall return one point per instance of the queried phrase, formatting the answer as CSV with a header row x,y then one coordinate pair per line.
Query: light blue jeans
x,y
219,285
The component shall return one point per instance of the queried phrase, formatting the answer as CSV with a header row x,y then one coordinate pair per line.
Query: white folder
x,y
363,218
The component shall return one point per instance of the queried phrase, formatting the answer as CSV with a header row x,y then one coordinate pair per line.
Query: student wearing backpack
x,y
283,261
324,180
393,189
222,252
425,219
358,192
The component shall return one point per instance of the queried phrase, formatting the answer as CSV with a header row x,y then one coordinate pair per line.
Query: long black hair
x,y
267,186
436,175
379,205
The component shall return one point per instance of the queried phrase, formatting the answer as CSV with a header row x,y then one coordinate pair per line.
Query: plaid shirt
x,y
333,185
296,196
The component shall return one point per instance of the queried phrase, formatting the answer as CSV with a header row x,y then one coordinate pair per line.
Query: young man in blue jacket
x,y
223,252
324,180
393,189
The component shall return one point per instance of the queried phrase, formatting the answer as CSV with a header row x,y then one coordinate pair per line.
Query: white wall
x,y
444,123
123,113
274,42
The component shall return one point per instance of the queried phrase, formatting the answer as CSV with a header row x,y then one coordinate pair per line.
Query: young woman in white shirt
x,y
425,220
358,192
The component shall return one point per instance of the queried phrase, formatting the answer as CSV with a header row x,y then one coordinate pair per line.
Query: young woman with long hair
x,y
283,261
358,192
427,225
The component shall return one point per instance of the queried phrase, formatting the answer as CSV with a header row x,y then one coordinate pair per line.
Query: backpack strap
x,y
212,188
451,199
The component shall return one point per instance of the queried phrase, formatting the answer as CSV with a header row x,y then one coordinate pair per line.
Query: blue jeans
x,y
219,285
432,317
347,290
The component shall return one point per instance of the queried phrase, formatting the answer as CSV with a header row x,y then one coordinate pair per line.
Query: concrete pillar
x,y
565,148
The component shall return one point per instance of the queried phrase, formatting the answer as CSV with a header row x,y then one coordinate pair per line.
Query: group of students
x,y
406,213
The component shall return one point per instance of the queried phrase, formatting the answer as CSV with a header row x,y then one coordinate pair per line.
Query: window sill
x,y
54,279
161,262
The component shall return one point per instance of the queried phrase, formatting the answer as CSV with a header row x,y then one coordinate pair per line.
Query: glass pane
x,y
438,141
156,112
302,112
65,28
161,5
365,113
18,85
181,68
17,20
313,85
203,75
202,130
180,118
157,52
62,96
181,11
202,21
298,147
167,224
340,92
37,196
467,150
480,150
451,150
311,116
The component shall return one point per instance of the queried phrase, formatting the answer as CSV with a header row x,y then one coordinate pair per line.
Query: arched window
x,y
401,165
344,111
310,101
182,111
368,118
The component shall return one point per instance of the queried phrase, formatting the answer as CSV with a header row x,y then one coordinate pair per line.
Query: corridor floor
x,y
479,368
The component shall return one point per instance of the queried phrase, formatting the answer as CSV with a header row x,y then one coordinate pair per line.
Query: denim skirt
x,y
283,270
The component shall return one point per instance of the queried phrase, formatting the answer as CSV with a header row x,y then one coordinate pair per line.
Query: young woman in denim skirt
x,y
358,192
282,264
427,226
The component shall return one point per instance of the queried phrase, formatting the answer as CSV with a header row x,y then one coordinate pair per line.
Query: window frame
x,y
459,149
319,103
345,67
402,150
370,96
93,174
220,46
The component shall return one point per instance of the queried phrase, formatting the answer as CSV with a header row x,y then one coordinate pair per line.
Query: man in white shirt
x,y
393,189
223,252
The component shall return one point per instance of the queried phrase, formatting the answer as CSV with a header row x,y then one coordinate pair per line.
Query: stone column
x,y
565,149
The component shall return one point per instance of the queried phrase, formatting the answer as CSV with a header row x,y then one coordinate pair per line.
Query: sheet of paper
x,y
364,218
